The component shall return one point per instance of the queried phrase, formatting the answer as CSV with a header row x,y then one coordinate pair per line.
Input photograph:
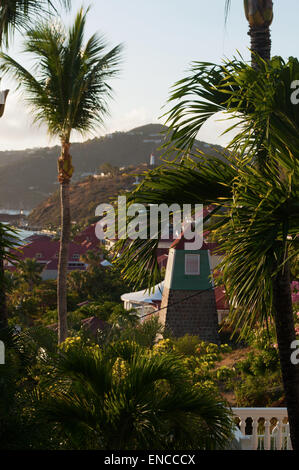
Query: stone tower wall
x,y
195,315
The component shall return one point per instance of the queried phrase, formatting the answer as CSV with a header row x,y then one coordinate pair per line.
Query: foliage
x,y
153,406
17,14
186,344
98,283
255,215
19,377
224,373
144,334
68,89
258,391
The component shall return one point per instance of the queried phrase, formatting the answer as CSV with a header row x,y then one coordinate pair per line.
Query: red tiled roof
x,y
179,243
42,249
87,235
45,250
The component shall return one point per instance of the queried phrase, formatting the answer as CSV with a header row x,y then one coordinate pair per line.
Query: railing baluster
x,y
289,444
242,425
279,435
255,440
278,439
267,438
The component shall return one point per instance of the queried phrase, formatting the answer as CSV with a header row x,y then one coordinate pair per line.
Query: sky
x,y
161,38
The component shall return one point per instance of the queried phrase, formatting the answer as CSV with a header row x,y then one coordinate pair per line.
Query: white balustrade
x,y
263,428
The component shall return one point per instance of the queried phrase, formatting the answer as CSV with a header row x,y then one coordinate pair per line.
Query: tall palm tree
x,y
123,398
259,14
68,90
260,220
16,15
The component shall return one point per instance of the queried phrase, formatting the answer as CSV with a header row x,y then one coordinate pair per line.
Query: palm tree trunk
x,y
285,330
65,171
260,43
3,309
63,261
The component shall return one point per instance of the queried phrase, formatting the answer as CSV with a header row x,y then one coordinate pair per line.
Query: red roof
x,y
42,249
46,250
87,236
179,243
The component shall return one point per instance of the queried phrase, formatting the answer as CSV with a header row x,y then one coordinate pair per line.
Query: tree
x,y
17,15
259,14
68,90
122,398
256,206
30,271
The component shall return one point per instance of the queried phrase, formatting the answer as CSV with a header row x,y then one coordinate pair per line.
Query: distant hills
x,y
29,177
85,196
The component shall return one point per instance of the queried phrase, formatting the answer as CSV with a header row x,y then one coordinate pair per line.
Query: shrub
x,y
225,373
186,345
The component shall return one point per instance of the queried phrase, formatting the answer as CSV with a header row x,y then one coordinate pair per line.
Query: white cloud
x,y
212,130
17,130
133,118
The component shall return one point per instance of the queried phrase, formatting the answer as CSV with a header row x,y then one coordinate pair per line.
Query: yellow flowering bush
x,y
78,342
165,345
120,369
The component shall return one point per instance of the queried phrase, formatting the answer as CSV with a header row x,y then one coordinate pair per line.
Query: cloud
x,y
17,130
134,118
212,130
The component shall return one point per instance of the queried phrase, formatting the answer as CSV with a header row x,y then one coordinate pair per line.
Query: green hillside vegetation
x,y
85,196
29,177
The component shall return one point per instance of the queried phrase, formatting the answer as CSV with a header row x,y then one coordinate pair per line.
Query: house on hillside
x,y
45,250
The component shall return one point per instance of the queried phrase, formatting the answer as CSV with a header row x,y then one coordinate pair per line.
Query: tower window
x,y
192,264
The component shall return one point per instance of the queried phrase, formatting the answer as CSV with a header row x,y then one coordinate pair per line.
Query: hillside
x,y
29,177
85,196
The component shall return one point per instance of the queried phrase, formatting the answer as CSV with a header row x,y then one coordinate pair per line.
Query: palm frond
x,y
68,87
18,14
149,403
197,181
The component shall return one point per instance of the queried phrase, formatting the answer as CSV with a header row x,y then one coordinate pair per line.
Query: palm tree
x,y
30,271
67,90
259,14
123,398
18,14
258,222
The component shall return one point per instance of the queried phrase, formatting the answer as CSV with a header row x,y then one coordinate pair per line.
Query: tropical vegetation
x,y
127,384
255,206
68,91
